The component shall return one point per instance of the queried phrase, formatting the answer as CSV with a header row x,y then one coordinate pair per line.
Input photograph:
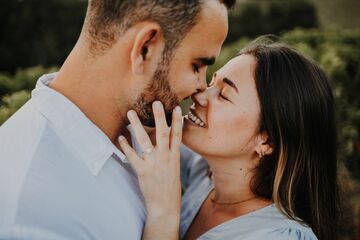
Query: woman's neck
x,y
232,180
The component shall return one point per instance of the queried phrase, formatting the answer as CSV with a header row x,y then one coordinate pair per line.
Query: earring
x,y
261,155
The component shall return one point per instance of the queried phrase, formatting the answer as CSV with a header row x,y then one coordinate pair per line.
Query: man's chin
x,y
150,122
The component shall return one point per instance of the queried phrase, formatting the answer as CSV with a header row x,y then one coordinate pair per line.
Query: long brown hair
x,y
297,114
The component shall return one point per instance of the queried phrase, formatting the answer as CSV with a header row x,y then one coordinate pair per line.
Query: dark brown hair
x,y
297,114
108,19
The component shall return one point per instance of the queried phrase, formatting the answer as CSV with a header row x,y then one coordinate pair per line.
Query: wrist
x,y
161,216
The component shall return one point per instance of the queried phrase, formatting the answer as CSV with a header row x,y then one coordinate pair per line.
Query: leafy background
x,y
37,35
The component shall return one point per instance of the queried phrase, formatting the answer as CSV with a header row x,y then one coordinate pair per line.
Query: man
x,y
61,174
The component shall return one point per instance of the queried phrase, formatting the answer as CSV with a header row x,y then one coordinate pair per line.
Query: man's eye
x,y
196,67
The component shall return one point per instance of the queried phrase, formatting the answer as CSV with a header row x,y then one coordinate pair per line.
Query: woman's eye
x,y
222,96
196,68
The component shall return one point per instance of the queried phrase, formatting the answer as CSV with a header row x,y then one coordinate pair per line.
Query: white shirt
x,y
62,178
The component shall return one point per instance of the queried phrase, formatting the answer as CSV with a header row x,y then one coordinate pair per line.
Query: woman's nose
x,y
203,98
200,98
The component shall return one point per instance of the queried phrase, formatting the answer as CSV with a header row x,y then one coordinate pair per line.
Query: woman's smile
x,y
194,118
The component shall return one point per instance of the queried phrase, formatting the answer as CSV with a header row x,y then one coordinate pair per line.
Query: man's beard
x,y
159,89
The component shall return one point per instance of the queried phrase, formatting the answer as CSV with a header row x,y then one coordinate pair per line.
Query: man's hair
x,y
109,19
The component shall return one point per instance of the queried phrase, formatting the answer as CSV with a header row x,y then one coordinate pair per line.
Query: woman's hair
x,y
297,114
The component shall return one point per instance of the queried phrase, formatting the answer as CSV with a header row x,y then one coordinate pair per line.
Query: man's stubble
x,y
158,89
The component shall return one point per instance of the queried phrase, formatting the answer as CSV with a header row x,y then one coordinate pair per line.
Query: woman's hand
x,y
158,172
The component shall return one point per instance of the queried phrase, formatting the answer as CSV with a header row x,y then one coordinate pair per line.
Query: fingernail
x,y
157,104
131,113
121,138
178,109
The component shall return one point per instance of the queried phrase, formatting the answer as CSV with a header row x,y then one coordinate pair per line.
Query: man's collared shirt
x,y
62,178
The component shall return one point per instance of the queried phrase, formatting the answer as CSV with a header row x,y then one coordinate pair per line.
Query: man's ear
x,y
263,146
148,45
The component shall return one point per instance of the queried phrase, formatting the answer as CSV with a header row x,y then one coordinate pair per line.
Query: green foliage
x,y
15,90
255,17
12,103
38,32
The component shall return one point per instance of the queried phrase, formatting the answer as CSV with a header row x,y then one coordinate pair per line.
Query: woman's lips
x,y
194,118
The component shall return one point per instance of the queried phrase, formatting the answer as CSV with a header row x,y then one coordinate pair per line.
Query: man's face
x,y
185,74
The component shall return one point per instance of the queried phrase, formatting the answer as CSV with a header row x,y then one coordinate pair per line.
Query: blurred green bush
x,y
37,32
252,18
15,90
43,32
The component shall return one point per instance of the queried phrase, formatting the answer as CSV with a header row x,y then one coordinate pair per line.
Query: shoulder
x,y
286,233
269,223
26,142
23,129
281,227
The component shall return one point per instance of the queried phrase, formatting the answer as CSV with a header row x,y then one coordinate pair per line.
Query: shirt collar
x,y
74,128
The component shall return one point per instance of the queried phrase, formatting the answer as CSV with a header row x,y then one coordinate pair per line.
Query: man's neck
x,y
86,85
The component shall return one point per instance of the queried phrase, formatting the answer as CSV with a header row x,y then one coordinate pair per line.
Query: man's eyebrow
x,y
230,83
206,61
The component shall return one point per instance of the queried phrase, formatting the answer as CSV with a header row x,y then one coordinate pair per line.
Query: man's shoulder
x,y
21,133
26,118
23,138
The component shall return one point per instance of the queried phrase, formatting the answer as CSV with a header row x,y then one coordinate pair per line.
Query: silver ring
x,y
149,150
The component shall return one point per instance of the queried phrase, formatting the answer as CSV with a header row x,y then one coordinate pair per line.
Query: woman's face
x,y
228,113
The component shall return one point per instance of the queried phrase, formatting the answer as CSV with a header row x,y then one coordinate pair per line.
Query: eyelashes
x,y
196,67
222,96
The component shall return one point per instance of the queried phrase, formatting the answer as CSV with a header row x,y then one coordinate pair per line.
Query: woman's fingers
x,y
162,130
140,133
130,153
176,130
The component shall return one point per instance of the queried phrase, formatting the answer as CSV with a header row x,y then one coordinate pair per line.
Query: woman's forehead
x,y
238,68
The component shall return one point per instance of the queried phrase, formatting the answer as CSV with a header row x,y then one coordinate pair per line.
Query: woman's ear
x,y
263,146
147,48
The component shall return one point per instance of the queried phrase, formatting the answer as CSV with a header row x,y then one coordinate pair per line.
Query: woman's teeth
x,y
195,119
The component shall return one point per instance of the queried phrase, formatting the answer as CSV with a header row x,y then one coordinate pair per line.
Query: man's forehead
x,y
205,39
214,11
212,24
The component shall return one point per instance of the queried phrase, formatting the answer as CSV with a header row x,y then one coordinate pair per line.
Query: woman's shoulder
x,y
268,223
273,224
286,233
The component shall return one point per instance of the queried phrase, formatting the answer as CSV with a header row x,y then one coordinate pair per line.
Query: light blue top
x,y
62,178
266,223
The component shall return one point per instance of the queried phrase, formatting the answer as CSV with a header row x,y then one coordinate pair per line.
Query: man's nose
x,y
202,84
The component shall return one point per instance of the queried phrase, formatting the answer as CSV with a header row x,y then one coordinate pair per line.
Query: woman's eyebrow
x,y
230,83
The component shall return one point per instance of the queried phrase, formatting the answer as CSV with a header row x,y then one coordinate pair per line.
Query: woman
x,y
265,137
